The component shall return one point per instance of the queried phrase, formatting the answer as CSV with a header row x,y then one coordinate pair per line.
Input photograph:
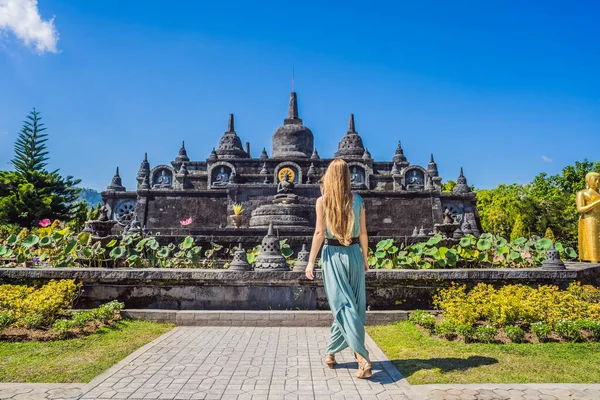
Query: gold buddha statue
x,y
588,205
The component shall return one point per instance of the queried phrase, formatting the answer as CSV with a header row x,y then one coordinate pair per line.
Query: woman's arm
x,y
364,238
582,208
317,240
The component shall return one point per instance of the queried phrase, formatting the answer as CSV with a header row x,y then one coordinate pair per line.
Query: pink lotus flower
x,y
186,222
45,222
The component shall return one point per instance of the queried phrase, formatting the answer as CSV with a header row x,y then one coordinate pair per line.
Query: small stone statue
x,y
222,177
135,225
163,180
285,191
448,217
355,176
285,186
103,216
588,206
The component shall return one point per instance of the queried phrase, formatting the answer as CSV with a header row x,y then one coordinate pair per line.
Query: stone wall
x,y
187,289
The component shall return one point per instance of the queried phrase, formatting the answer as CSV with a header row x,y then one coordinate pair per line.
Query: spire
x,y
315,154
270,231
351,124
399,156
231,124
432,169
230,145
182,156
213,156
264,170
263,155
461,184
144,171
116,184
351,145
292,117
367,156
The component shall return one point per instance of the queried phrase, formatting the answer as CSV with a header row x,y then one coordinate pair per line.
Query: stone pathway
x,y
252,363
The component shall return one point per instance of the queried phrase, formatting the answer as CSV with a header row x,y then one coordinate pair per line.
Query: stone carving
x,y
221,176
123,212
264,155
182,156
399,157
285,190
292,139
415,179
286,171
164,180
230,146
588,206
116,183
315,155
552,260
351,145
240,261
302,260
144,173
461,184
135,226
448,226
357,176
270,257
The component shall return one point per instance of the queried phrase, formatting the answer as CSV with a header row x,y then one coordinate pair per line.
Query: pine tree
x,y
31,193
31,153
518,229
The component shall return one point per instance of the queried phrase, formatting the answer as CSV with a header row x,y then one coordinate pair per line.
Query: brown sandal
x,y
364,369
330,360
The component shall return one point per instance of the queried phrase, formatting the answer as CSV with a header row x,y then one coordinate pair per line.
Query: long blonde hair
x,y
337,201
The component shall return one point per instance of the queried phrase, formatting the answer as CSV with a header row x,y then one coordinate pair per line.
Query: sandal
x,y
364,369
330,360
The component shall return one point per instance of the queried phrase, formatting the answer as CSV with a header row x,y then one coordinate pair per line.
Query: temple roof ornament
x,y
116,183
264,155
182,156
292,139
461,184
230,145
367,156
432,168
144,171
395,169
315,155
351,145
264,170
213,156
399,157
183,170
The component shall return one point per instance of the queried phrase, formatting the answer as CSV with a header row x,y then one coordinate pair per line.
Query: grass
x,y
423,359
75,360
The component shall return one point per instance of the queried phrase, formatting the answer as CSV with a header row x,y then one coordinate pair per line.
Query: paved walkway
x,y
252,363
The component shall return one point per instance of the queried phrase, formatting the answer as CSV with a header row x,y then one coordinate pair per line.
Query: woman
x,y
588,205
341,224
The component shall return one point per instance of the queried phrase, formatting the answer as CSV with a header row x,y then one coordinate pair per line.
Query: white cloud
x,y
22,18
546,159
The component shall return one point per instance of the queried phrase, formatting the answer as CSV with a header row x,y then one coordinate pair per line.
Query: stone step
x,y
255,318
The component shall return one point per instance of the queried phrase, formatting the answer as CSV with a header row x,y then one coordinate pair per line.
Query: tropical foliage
x,y
548,202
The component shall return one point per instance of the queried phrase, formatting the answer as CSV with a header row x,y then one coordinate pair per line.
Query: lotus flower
x,y
186,222
45,222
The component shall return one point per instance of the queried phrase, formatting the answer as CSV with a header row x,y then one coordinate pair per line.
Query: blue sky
x,y
506,89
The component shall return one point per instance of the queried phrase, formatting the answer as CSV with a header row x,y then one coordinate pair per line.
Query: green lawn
x,y
427,360
75,360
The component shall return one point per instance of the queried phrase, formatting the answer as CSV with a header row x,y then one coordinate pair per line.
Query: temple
x,y
404,201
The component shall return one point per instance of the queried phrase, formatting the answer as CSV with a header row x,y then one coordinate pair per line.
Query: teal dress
x,y
344,281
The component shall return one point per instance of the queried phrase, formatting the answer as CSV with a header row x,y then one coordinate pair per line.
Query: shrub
x,y
541,330
80,319
32,307
6,318
416,316
445,329
466,331
590,326
515,333
485,333
568,330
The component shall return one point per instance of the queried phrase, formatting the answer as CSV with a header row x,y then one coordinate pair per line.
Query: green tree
x,y
448,186
518,230
30,148
31,193
498,208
